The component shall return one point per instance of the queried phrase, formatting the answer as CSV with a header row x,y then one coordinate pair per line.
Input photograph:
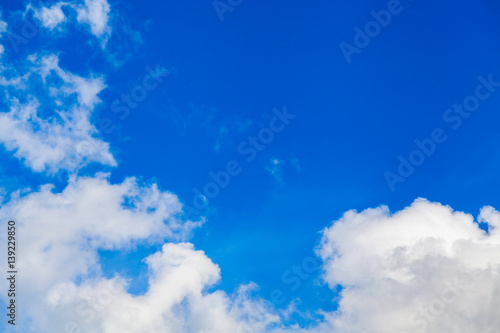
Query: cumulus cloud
x,y
177,300
51,17
61,233
46,123
95,13
64,139
426,268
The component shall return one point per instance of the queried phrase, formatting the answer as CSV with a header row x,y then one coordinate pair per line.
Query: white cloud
x,y
47,125
177,300
61,281
61,232
423,269
95,13
64,139
52,16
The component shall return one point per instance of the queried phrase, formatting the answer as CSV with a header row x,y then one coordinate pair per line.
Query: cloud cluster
x,y
51,17
47,124
61,232
95,13
64,139
92,13
62,285
177,300
426,268
45,117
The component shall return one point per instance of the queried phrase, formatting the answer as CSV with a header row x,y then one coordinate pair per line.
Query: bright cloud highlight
x,y
426,268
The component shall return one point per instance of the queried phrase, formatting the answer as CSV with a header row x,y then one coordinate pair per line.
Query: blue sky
x,y
221,78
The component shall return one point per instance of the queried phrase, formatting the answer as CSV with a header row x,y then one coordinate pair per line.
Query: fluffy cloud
x,y
64,139
91,13
62,231
177,300
423,269
47,125
63,289
95,13
50,17
426,268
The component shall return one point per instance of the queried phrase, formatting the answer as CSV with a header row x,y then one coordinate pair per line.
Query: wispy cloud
x,y
275,168
278,168
63,139
95,13
52,16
